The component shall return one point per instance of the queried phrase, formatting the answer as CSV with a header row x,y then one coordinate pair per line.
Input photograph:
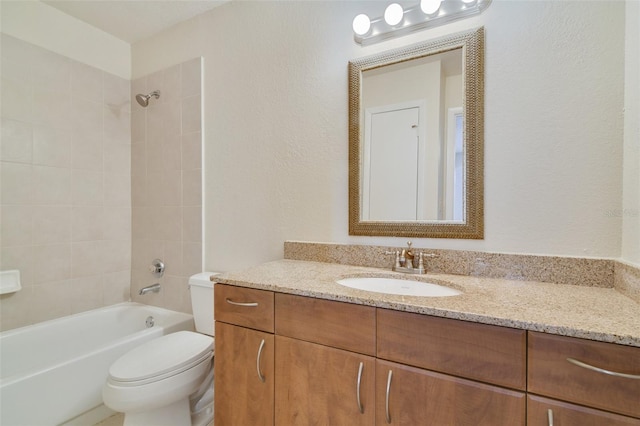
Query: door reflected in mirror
x,y
413,155
416,140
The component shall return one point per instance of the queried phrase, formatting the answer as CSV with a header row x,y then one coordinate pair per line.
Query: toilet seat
x,y
161,358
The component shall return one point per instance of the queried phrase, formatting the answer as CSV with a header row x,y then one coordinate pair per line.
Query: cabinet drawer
x,y
552,374
246,307
482,352
565,414
336,324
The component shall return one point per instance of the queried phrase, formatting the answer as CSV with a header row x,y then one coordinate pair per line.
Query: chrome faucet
x,y
155,288
404,260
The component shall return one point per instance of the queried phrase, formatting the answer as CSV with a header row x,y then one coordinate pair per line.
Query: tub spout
x,y
155,288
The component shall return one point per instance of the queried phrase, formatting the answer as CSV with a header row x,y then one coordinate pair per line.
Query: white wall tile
x,y
52,108
51,224
51,185
191,77
16,225
17,102
88,187
87,258
88,223
192,151
51,146
51,263
16,183
87,293
192,187
86,151
117,190
16,144
191,119
50,300
117,223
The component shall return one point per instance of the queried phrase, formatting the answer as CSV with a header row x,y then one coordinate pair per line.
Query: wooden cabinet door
x,y
244,376
565,414
320,385
421,397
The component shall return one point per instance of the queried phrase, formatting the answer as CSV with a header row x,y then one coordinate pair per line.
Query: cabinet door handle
x,y
246,304
386,404
360,407
258,358
602,370
550,416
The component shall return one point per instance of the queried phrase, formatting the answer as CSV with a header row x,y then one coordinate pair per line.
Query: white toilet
x,y
152,384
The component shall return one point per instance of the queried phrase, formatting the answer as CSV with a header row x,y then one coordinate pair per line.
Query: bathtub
x,y
52,373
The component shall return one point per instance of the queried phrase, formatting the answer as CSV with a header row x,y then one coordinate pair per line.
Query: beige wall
x,y
166,173
276,124
65,197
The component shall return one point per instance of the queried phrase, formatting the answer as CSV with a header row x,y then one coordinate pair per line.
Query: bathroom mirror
x,y
416,140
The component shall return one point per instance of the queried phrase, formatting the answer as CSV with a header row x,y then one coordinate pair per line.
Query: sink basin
x,y
398,286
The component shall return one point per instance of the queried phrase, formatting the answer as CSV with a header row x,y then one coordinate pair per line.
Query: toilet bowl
x,y
152,383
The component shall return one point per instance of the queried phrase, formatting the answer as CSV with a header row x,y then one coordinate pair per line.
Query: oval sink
x,y
397,286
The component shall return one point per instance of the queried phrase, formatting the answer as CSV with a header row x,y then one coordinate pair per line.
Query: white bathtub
x,y
53,372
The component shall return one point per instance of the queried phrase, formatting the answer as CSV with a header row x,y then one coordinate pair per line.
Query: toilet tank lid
x,y
202,279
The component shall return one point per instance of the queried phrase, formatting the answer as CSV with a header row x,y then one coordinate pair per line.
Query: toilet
x,y
169,380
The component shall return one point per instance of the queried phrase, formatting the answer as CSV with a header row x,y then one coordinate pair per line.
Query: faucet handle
x,y
396,253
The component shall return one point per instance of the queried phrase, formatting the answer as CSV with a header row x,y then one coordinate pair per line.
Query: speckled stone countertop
x,y
601,314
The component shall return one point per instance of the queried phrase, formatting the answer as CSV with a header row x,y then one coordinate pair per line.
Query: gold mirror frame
x,y
472,44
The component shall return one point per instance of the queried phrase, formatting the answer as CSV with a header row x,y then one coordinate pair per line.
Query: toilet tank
x,y
202,301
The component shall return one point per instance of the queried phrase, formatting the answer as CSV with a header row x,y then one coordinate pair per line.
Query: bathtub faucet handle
x,y
157,267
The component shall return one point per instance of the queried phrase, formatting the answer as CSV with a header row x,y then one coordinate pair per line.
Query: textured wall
x,y
276,124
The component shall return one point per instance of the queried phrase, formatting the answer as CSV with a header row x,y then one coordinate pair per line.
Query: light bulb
x,y
393,14
430,6
361,24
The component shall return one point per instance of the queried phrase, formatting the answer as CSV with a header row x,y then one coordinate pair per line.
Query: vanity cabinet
x,y
244,356
292,360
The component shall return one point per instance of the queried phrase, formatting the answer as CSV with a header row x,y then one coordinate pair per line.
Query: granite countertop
x,y
601,314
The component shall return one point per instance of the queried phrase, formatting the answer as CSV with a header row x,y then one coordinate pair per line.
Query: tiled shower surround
x,y
94,187
166,174
65,184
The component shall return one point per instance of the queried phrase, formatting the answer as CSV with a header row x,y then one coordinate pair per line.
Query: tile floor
x,y
115,420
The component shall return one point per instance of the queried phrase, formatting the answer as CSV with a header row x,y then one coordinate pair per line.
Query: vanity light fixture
x,y
397,21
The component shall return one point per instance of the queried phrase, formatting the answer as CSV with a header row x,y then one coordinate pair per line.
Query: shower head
x,y
143,100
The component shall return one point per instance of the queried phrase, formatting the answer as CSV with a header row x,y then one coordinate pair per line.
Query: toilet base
x,y
176,414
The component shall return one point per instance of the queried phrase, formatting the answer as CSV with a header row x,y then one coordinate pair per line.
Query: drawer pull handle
x,y
246,304
360,407
602,370
550,416
386,405
258,358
